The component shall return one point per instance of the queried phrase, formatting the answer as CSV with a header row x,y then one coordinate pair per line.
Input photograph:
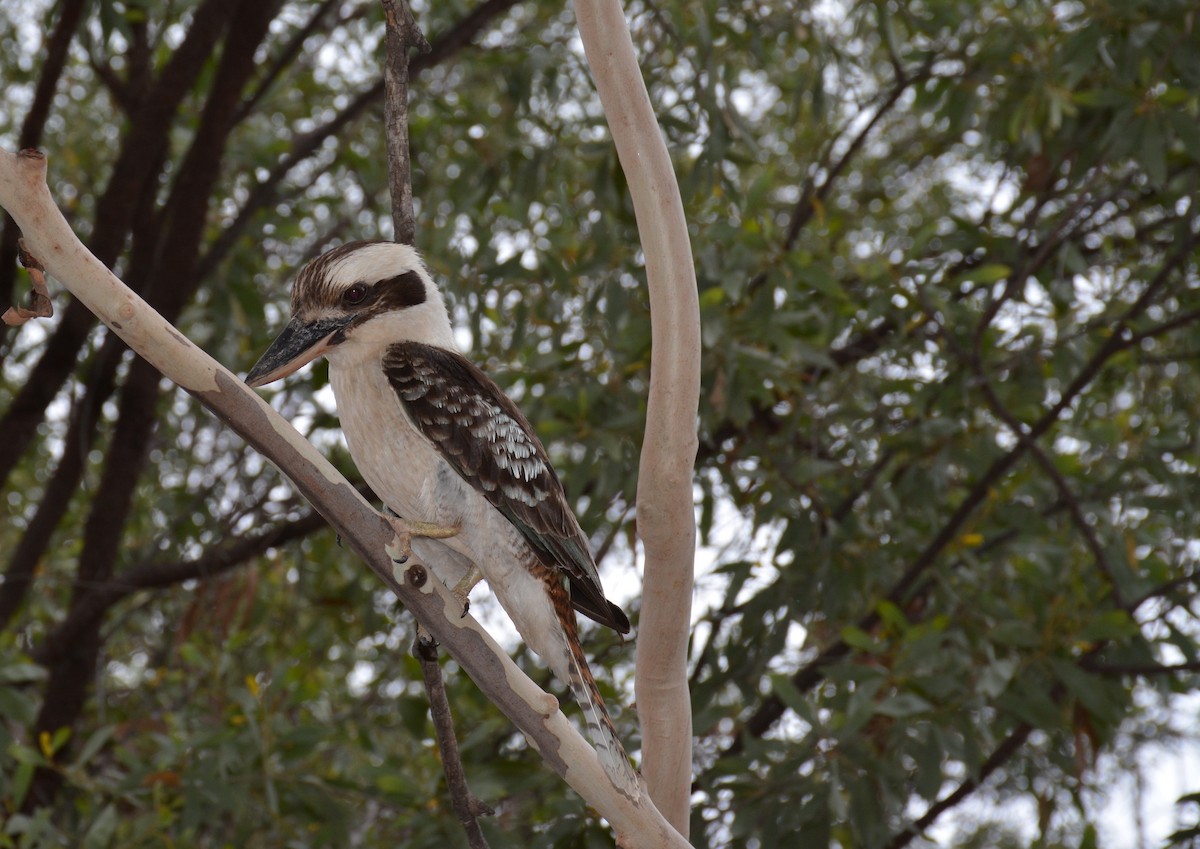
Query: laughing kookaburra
x,y
448,452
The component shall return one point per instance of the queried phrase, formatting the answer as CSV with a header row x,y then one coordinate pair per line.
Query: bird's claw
x,y
399,549
462,590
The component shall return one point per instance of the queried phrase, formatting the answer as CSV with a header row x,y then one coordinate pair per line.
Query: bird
x,y
456,464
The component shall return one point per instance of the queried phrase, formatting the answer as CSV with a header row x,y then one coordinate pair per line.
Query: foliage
x,y
947,460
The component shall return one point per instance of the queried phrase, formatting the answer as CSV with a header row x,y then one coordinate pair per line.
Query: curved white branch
x,y
665,514
48,237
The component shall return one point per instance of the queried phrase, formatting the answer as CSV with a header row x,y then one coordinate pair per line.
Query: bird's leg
x,y
462,590
400,548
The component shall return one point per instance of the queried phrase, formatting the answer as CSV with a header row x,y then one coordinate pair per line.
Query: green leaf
x,y
990,273
95,742
17,705
791,696
994,678
857,638
103,828
1109,625
903,705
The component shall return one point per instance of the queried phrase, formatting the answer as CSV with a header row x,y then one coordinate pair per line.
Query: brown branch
x,y
1140,670
68,682
448,44
153,575
468,808
811,194
56,497
444,48
1166,589
403,35
287,56
1067,225
1181,320
1065,492
266,192
1020,433
1000,756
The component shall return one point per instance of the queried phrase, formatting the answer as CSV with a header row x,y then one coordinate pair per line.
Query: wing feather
x,y
486,439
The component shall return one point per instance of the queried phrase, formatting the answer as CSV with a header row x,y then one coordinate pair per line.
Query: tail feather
x,y
600,726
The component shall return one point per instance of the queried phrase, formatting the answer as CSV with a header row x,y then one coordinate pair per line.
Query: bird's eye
x,y
355,294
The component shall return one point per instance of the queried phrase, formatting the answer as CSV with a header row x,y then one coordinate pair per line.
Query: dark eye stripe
x,y
403,290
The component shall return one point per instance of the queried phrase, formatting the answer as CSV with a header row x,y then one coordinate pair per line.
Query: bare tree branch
x,y
56,498
468,808
284,61
265,192
155,575
1141,670
665,513
403,35
1020,430
1002,753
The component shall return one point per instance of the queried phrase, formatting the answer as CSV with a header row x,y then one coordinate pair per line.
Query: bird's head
x,y
352,303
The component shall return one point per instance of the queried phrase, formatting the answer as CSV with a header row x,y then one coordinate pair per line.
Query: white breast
x,y
391,455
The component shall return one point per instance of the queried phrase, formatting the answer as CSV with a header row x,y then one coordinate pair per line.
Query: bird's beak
x,y
298,344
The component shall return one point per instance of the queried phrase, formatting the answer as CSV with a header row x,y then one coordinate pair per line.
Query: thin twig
x,y
1007,748
404,35
1020,431
1141,670
467,806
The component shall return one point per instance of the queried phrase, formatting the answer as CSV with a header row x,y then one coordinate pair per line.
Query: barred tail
x,y
583,687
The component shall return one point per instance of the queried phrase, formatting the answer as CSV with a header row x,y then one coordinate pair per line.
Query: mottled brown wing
x,y
485,438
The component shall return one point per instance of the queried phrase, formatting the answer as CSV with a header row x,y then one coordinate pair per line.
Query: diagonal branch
x,y
1008,747
468,808
283,62
1020,432
155,575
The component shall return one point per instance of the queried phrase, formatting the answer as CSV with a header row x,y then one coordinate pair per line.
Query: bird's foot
x,y
462,590
400,548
